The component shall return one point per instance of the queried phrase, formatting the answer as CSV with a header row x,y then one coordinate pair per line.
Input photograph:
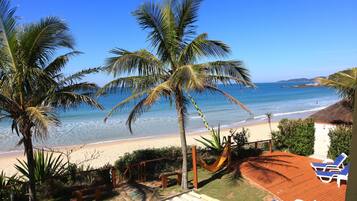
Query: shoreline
x,y
63,141
110,151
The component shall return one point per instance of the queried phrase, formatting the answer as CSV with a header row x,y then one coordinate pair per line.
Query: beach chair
x,y
326,177
331,165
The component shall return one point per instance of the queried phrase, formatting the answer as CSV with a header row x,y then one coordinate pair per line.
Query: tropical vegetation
x,y
174,69
344,82
296,136
32,84
340,141
46,164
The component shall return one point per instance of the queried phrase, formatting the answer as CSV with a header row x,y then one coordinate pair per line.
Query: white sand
x,y
109,152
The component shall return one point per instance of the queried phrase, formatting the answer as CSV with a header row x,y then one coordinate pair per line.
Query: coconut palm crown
x,y
174,68
32,84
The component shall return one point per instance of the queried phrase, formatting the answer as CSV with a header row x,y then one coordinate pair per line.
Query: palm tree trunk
x,y
30,162
351,193
181,122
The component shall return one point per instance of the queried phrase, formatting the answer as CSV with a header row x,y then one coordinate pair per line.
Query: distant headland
x,y
302,82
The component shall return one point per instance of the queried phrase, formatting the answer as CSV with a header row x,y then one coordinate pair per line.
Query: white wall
x,y
322,140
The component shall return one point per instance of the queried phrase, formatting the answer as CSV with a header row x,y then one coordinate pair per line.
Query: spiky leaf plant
x,y
47,165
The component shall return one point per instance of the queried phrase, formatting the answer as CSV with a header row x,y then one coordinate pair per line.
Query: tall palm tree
x,y
344,82
174,69
31,84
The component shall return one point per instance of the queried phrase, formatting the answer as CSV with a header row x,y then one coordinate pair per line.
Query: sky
x,y
276,39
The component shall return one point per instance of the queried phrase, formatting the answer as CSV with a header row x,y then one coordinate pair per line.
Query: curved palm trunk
x,y
30,161
351,193
181,122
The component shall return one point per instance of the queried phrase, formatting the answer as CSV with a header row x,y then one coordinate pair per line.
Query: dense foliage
x,y
54,179
171,161
340,140
240,138
296,136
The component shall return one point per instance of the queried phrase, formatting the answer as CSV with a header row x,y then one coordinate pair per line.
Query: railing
x,y
269,141
234,144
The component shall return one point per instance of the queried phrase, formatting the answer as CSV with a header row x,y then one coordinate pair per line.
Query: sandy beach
x,y
109,152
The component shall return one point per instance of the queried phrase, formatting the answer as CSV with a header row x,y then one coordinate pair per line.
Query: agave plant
x,y
47,165
216,143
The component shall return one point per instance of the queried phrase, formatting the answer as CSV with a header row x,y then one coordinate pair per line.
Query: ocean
x,y
85,125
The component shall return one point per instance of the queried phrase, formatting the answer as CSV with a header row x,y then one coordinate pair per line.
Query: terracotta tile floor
x,y
290,177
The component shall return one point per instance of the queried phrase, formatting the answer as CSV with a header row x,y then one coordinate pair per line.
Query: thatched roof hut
x,y
338,113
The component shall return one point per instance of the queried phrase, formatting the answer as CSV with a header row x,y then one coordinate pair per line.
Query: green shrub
x,y
12,187
240,138
340,140
172,161
296,136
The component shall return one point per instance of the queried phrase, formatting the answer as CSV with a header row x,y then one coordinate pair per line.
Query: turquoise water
x,y
85,125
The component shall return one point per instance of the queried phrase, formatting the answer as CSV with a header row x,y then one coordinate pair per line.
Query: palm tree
x,y
174,69
31,84
344,82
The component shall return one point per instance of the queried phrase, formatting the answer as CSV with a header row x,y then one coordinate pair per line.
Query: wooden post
x,y
256,145
229,152
194,167
270,146
98,194
144,172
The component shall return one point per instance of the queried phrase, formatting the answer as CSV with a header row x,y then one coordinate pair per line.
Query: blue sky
x,y
276,39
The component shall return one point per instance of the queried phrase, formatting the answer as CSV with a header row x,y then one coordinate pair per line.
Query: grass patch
x,y
222,187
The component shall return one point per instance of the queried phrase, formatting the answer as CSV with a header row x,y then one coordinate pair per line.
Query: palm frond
x,y
141,62
345,82
70,99
163,89
150,16
231,68
8,24
200,47
79,75
186,15
133,83
137,110
81,87
124,103
229,97
42,118
59,63
40,40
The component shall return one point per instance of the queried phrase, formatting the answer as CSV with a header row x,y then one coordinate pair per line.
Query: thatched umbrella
x,y
338,113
